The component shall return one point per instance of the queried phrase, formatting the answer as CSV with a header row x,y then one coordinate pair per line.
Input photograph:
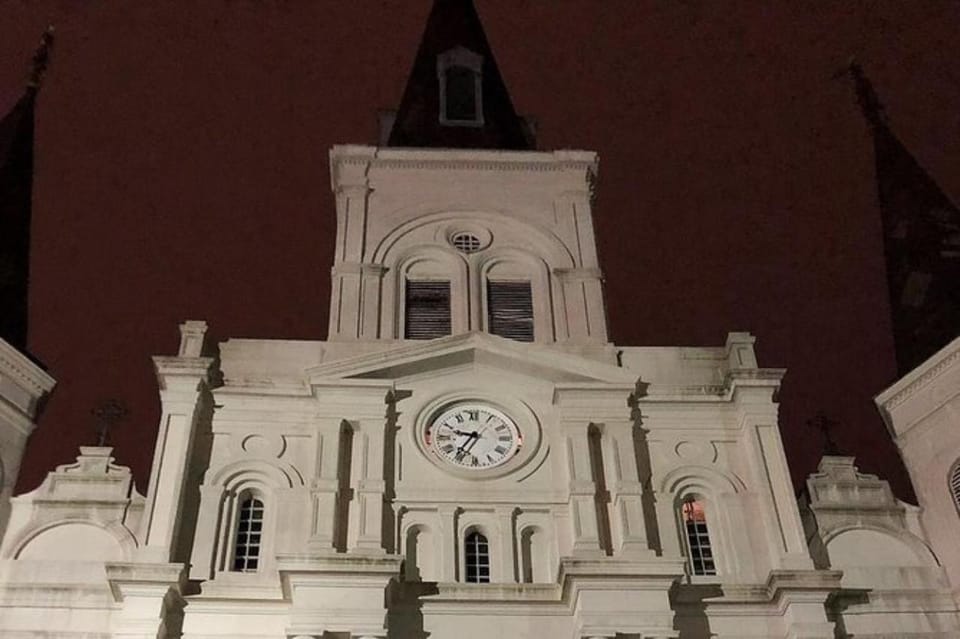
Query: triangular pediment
x,y
478,349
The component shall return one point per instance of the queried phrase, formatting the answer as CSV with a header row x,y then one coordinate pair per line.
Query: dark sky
x,y
182,173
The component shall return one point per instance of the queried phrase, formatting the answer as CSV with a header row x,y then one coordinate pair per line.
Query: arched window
x,y
476,559
955,484
249,539
461,104
461,87
699,550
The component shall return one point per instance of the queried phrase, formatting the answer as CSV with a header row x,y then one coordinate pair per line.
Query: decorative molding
x,y
23,372
459,160
919,378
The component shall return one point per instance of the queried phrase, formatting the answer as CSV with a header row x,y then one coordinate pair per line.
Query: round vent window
x,y
466,242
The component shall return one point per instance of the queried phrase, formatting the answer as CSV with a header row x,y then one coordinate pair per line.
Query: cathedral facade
x,y
468,455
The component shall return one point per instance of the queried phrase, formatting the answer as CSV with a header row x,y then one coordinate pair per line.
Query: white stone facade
x,y
647,494
922,411
23,386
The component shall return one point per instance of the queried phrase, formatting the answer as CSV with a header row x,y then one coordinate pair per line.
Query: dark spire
x,y
16,181
921,232
441,106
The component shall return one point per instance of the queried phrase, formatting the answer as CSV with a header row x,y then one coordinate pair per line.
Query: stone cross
x,y
826,426
108,413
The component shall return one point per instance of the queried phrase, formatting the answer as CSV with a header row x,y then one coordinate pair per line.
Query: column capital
x,y
182,373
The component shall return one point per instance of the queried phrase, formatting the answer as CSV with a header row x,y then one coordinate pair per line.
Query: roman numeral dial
x,y
473,436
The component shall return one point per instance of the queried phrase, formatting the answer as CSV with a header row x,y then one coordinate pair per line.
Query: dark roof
x,y
455,23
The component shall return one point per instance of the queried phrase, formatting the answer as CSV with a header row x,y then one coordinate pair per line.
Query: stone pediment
x,y
548,363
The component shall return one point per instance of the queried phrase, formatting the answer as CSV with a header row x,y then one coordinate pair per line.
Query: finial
x,y
108,413
825,425
41,59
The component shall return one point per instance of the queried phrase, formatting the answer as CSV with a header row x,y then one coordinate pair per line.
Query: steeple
x,y
455,96
16,184
921,228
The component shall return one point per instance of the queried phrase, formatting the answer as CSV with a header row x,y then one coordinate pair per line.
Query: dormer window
x,y
459,71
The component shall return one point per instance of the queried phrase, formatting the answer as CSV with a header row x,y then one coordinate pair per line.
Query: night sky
x,y
181,173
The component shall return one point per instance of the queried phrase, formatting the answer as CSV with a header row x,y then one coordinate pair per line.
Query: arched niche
x,y
420,561
536,564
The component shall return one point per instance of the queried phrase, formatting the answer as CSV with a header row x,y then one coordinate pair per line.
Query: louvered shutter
x,y
510,308
955,484
427,309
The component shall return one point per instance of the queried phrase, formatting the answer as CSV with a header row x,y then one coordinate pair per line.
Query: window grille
x,y
427,309
510,310
955,484
699,552
246,555
466,242
477,556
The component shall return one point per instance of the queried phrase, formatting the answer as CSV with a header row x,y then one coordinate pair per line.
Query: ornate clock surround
x,y
517,411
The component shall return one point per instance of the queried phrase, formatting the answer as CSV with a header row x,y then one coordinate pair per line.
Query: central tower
x,y
458,225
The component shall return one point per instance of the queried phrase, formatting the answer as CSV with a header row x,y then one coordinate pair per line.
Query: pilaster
x,y
362,406
626,492
149,599
182,380
366,512
326,485
583,489
449,559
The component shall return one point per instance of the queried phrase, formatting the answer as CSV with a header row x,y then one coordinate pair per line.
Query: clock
x,y
473,436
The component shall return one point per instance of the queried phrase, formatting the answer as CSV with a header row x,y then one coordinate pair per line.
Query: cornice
x,y
920,377
744,378
462,160
23,372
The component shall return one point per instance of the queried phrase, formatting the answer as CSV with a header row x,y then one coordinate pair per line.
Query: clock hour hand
x,y
462,450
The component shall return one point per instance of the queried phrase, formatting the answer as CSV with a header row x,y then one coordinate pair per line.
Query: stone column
x,y
182,381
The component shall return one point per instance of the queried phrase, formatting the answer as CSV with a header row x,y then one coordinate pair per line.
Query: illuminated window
x,y
246,554
699,551
476,559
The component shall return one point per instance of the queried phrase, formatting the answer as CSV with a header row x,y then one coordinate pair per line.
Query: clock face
x,y
474,436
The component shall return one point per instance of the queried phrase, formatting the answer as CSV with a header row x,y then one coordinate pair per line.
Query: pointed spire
x,y
455,96
16,183
921,229
867,98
